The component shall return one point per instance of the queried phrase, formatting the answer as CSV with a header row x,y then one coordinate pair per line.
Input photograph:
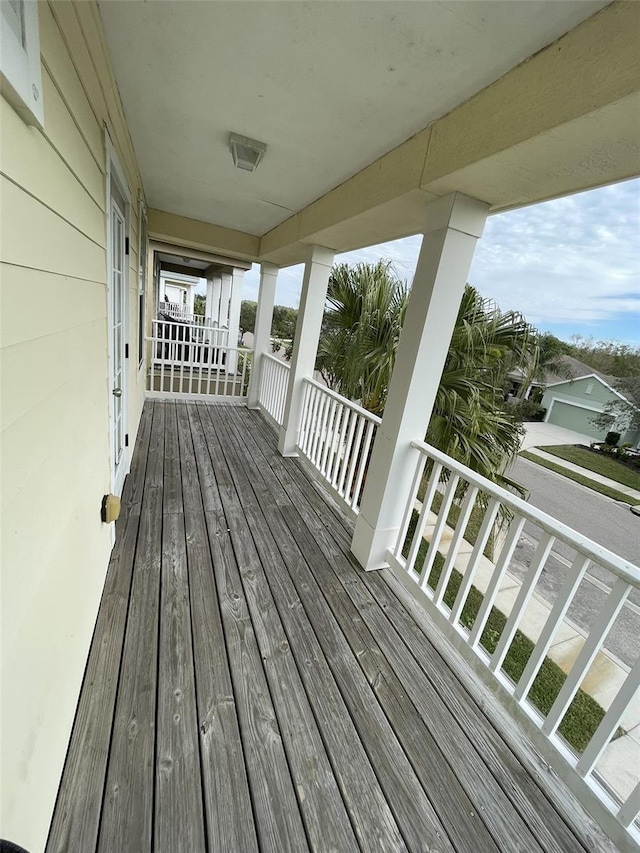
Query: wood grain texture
x,y
128,803
250,689
225,786
179,815
74,827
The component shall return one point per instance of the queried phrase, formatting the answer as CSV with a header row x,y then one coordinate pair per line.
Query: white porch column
x,y
262,330
225,296
312,302
452,227
234,315
212,306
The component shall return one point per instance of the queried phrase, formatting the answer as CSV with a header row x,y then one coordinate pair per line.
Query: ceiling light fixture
x,y
247,153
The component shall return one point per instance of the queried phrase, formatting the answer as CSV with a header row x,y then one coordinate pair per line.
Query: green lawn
x,y
584,714
578,478
602,463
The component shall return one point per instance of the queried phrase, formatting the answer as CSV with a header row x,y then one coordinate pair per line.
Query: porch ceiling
x,y
329,87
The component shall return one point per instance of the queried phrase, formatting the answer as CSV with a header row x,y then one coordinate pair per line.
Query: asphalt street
x,y
599,518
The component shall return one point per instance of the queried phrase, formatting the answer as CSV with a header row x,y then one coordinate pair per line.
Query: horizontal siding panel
x,y
59,365
65,16
30,161
55,303
62,71
50,243
63,132
91,26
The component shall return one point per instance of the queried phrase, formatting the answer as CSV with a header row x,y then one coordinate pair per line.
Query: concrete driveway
x,y
538,434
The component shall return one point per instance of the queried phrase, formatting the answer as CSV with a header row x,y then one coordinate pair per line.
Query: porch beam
x,y
452,227
262,329
317,270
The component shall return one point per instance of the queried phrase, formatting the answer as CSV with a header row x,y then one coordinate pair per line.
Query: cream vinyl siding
x,y
55,401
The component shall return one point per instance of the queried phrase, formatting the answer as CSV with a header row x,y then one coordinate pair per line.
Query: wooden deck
x,y
250,689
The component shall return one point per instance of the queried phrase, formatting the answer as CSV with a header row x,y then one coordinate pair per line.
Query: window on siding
x,y
142,281
589,388
20,69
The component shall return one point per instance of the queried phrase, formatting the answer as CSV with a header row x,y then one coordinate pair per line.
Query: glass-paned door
x,y
117,297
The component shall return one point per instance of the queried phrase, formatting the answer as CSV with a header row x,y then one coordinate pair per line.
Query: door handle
x,y
117,392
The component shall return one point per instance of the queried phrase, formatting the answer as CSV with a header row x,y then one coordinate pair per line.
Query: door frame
x,y
115,176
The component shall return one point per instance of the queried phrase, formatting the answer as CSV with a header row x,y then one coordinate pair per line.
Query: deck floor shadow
x,y
250,688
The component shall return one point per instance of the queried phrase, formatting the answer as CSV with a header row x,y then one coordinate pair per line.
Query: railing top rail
x,y
211,345
277,360
353,406
605,558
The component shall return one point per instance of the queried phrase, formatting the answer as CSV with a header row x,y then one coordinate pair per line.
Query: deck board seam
x,y
320,728
371,692
367,581
347,589
245,734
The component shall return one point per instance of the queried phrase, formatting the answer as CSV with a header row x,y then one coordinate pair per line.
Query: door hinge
x,y
126,245
126,439
126,350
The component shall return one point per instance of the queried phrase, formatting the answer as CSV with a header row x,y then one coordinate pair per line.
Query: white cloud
x,y
575,260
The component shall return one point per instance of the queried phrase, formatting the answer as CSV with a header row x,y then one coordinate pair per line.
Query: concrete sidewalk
x,y
620,764
585,472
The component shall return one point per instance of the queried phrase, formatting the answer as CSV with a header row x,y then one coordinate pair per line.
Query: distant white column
x,y
262,330
234,315
212,307
225,298
453,225
312,303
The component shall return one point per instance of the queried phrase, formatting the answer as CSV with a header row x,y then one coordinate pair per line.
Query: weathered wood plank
x,y
452,772
516,783
358,783
179,815
127,818
135,481
276,810
412,810
74,827
541,816
227,801
325,817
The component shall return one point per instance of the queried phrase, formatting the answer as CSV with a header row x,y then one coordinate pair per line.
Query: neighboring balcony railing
x,y
460,508
180,312
195,361
272,395
336,437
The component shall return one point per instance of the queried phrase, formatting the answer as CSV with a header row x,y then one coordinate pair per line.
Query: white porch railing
x,y
180,313
443,581
190,360
336,437
272,395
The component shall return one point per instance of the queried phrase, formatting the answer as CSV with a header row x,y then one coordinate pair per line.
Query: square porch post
x,y
225,298
212,304
262,330
234,316
305,346
453,225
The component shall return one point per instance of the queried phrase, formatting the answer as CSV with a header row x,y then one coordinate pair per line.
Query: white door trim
x,y
115,176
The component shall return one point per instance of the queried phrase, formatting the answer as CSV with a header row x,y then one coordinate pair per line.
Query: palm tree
x,y
361,329
547,357
356,355
470,421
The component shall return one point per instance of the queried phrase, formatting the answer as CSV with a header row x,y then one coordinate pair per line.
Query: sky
x,y
571,266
